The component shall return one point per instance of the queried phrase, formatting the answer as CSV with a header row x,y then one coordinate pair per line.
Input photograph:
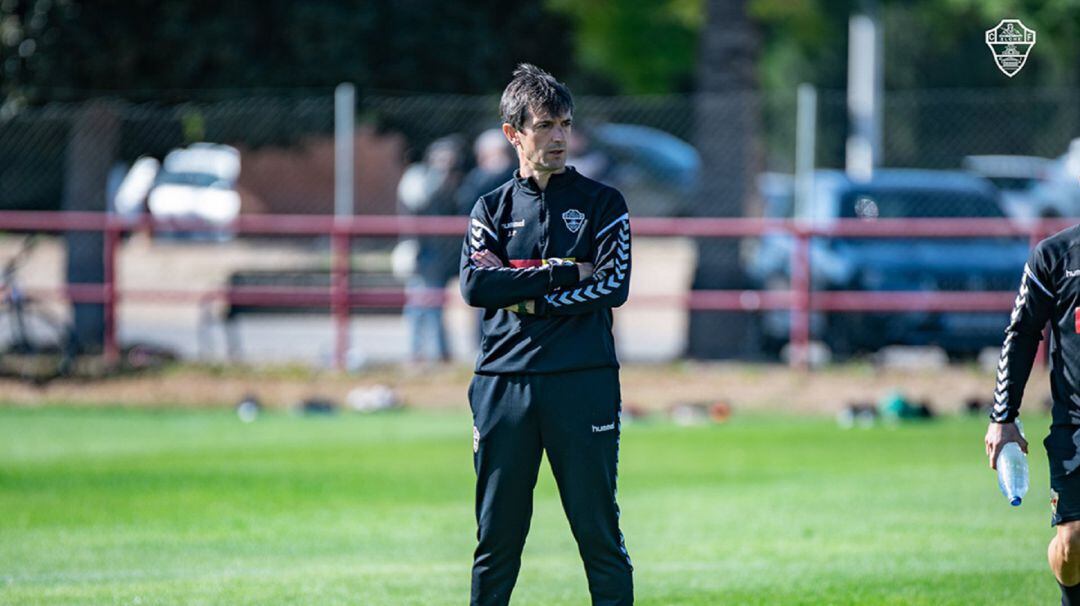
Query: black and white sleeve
x,y
609,286
496,288
1033,307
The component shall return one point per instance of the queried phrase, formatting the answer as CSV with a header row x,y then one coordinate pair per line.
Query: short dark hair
x,y
533,89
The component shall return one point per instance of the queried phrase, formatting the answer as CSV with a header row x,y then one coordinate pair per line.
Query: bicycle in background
x,y
35,345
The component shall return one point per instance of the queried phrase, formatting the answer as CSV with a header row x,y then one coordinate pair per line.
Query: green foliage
x,y
74,49
928,43
651,47
644,46
185,507
942,45
802,41
194,125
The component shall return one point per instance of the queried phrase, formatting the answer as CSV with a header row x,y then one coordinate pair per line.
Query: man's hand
x,y
584,271
486,258
1000,434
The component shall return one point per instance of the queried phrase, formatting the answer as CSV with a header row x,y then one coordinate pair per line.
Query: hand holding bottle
x,y
1000,434
1006,447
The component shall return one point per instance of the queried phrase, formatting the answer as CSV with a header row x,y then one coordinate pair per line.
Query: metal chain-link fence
x,y
654,144
670,155
937,128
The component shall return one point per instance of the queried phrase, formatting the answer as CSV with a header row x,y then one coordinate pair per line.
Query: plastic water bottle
x,y
1012,470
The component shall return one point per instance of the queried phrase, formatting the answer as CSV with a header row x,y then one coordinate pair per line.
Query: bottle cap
x,y
1015,502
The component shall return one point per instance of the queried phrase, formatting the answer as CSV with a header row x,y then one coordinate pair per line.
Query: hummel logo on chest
x,y
603,428
1072,273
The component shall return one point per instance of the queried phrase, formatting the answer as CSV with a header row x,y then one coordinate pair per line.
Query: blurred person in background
x,y
547,257
428,188
1049,292
495,164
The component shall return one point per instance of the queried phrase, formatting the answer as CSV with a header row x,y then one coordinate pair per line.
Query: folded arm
x,y
608,286
487,282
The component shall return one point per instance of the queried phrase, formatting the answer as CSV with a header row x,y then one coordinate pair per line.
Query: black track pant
x,y
574,417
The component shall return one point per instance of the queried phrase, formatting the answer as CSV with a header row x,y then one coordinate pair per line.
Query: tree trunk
x,y
727,108
90,155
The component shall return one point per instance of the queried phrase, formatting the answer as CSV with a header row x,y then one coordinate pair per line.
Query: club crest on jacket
x,y
573,219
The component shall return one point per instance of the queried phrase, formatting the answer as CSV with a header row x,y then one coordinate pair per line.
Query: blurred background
x,y
285,183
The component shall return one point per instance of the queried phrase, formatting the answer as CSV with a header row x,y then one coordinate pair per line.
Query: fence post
x,y
344,140
344,137
799,338
112,234
805,137
339,290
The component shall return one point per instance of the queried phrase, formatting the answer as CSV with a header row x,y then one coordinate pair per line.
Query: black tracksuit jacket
x,y
1049,292
537,234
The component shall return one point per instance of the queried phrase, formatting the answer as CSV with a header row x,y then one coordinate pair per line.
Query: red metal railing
x,y
801,299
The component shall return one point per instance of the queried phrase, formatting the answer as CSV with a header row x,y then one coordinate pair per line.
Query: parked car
x,y
895,264
1060,190
198,183
777,191
128,196
1022,181
656,171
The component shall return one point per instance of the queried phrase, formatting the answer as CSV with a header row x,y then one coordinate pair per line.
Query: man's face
x,y
541,143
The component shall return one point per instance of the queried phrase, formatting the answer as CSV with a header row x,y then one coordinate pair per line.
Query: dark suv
x,y
895,264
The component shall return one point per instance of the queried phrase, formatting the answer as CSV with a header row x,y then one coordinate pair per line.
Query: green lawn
x,y
194,507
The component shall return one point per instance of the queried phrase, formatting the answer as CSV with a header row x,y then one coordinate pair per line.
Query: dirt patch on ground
x,y
652,387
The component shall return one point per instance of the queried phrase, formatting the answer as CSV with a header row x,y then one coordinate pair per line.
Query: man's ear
x,y
511,134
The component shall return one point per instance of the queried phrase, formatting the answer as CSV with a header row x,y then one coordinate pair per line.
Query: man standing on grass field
x,y
547,256
1049,291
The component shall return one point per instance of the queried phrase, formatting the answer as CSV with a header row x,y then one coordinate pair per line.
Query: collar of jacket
x,y
555,182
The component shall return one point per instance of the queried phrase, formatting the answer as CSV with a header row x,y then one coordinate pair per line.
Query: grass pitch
x,y
194,507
